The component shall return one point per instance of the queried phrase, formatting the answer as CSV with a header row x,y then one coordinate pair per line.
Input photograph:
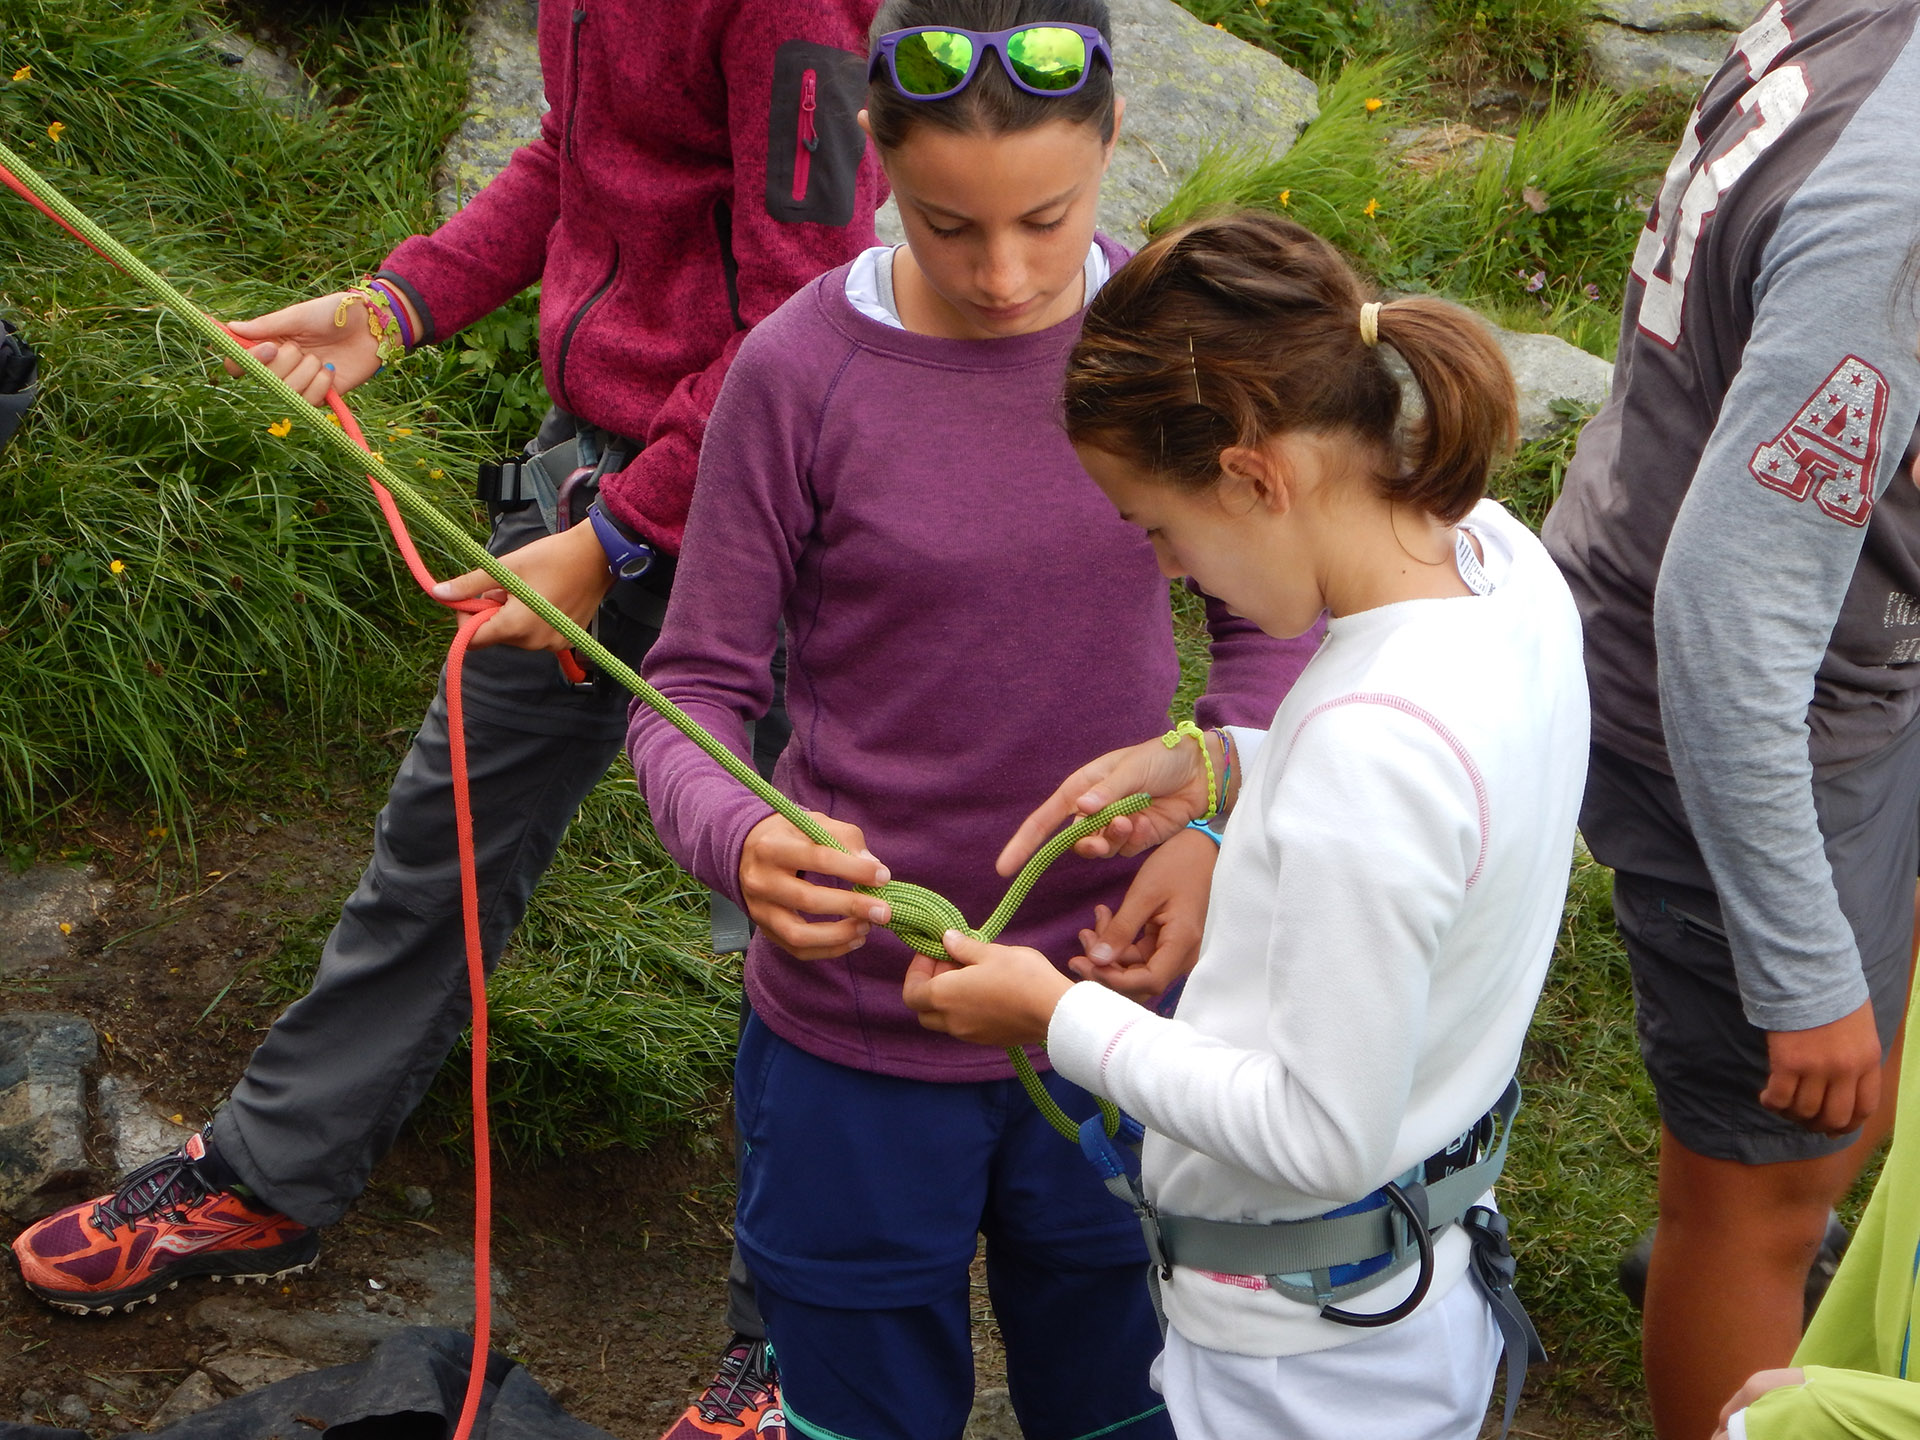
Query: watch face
x,y
634,566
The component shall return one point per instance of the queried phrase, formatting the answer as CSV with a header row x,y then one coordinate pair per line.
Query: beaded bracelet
x,y
399,310
382,324
1180,732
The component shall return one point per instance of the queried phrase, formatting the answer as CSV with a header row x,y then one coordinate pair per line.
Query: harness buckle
x,y
504,484
1493,1259
1150,1231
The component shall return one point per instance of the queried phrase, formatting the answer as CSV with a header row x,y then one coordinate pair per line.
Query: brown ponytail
x,y
1227,331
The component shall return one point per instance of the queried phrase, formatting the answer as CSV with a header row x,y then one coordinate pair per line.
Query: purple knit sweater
x,y
967,621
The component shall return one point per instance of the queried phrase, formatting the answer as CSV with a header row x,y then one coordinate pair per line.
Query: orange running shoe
x,y
164,1224
742,1402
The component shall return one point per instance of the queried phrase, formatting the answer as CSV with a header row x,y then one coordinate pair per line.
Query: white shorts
x,y
1426,1378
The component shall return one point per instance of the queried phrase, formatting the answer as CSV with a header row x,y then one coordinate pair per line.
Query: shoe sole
x,y
276,1264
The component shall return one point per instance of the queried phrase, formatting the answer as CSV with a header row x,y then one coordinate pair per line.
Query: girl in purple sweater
x,y
886,475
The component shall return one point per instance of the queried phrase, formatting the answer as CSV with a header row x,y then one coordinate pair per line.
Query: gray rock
x,y
331,1335
43,1111
505,98
137,1131
419,1199
1189,89
266,69
194,1394
439,1291
74,1410
1681,60
238,1373
1444,145
35,904
1663,15
1547,368
992,1417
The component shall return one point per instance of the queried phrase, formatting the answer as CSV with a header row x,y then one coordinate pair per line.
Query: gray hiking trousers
x,y
326,1092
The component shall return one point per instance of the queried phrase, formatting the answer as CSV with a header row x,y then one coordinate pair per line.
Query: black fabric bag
x,y
411,1389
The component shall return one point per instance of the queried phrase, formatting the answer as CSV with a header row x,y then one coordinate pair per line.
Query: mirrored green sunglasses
x,y
931,63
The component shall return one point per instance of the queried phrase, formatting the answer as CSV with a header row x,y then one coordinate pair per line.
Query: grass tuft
x,y
1538,229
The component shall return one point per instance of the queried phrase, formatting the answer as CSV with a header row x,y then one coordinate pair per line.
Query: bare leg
x,y
1730,1258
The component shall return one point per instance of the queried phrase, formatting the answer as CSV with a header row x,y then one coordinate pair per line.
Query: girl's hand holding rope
x,y
779,897
985,994
569,569
299,342
1176,778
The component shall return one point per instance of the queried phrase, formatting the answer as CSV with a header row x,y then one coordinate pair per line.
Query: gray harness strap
x,y
1286,1251
1284,1248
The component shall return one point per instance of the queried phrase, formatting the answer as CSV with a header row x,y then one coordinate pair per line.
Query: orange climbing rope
x,y
476,613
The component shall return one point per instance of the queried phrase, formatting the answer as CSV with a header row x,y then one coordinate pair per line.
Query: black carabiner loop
x,y
1417,1223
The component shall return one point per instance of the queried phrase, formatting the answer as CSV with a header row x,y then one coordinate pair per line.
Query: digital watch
x,y
628,557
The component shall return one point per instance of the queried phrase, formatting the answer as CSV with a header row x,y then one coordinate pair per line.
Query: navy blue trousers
x,y
862,1198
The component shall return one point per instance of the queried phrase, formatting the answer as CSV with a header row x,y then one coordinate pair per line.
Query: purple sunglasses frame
x,y
996,41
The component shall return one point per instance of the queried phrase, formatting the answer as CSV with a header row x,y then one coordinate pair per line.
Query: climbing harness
x,y
921,917
1355,1248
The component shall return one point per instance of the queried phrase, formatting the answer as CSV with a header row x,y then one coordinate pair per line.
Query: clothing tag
x,y
1472,573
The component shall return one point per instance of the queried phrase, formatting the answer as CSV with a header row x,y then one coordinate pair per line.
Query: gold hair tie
x,y
1370,324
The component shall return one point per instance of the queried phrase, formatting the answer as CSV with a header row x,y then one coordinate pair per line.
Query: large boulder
x,y
505,97
1679,61
1189,89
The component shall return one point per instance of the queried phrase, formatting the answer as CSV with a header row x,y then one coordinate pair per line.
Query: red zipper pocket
x,y
806,136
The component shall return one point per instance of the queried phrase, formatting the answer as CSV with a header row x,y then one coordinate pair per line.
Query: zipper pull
x,y
809,102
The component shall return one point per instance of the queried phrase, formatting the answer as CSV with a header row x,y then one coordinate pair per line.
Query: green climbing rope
x,y
920,916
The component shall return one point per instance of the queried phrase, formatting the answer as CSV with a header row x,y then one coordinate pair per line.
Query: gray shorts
x,y
1707,1062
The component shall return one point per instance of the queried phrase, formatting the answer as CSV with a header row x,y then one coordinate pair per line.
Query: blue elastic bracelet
x,y
1206,830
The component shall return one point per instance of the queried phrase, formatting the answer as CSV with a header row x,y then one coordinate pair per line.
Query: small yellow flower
x,y
1373,209
118,567
177,1119
437,474
403,430
65,928
1286,199
25,72
1374,102
54,130
378,456
280,428
158,832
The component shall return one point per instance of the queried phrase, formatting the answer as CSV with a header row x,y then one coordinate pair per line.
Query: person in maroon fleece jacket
x,y
699,161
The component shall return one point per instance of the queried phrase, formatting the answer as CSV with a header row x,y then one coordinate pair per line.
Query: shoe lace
x,y
746,1380
160,1186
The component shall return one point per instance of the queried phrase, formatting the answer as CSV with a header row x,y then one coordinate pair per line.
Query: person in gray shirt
x,y
1739,531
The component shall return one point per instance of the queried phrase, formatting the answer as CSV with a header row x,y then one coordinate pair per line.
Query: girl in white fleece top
x,y
1395,847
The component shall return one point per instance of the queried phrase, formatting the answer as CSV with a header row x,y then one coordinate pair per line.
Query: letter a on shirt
x,y
1832,447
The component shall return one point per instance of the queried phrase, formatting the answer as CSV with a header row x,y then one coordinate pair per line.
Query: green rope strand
x,y
920,916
